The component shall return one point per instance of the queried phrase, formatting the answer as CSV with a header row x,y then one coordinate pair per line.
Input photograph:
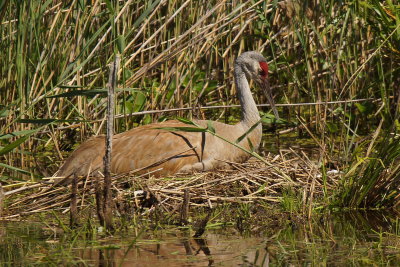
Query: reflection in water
x,y
340,240
176,252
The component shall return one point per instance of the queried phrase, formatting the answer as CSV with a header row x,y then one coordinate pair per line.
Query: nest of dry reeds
x,y
251,181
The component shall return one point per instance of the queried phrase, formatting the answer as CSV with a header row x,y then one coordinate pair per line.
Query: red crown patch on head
x,y
264,67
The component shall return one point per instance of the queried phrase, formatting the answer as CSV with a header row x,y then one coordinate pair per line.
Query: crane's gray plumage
x,y
149,148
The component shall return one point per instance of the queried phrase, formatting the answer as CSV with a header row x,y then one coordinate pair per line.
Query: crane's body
x,y
154,148
149,148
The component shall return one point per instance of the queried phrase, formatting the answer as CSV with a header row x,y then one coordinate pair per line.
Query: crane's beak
x,y
264,84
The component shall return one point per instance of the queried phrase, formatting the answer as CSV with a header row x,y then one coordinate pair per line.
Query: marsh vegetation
x,y
334,69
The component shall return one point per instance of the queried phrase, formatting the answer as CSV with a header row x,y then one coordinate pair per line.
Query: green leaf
x,y
126,74
10,147
210,127
361,107
145,14
365,108
93,92
248,132
109,6
13,168
71,86
186,121
251,146
121,43
332,127
270,118
183,129
44,7
80,92
47,121
4,112
17,133
140,101
82,5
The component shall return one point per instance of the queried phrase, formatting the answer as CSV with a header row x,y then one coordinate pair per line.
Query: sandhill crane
x,y
151,147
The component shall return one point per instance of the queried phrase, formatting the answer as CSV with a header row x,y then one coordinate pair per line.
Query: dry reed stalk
x,y
247,182
99,195
108,201
1,199
73,204
185,207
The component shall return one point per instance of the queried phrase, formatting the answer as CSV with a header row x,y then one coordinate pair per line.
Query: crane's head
x,y
255,67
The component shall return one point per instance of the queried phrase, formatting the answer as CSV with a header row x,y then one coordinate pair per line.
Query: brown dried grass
x,y
248,182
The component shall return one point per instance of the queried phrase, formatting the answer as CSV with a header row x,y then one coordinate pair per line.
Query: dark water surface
x,y
331,240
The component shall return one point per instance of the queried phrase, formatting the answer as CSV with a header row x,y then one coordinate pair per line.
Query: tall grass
x,y
373,181
180,53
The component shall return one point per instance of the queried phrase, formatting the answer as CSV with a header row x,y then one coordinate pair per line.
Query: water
x,y
342,239
332,240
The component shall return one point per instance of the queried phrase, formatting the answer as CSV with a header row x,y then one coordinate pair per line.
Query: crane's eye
x,y
261,72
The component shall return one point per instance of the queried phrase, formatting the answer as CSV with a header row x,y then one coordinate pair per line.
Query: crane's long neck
x,y
250,114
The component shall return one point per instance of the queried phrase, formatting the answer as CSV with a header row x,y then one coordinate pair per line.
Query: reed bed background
x,y
54,60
